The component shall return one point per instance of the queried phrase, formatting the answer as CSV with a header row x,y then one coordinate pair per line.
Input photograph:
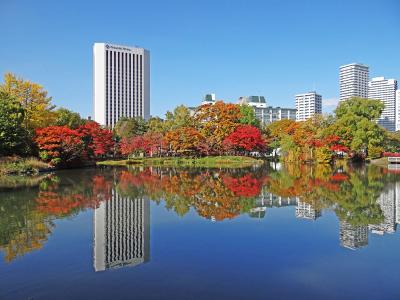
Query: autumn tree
x,y
245,138
33,98
215,123
98,141
184,140
59,145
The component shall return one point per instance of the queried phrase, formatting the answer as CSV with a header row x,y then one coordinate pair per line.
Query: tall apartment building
x,y
121,232
267,114
354,81
121,83
308,105
383,89
398,109
305,210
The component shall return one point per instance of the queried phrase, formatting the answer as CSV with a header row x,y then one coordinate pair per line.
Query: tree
x,y
248,116
59,145
356,125
129,127
215,123
33,98
245,138
156,124
66,117
13,137
97,140
184,140
180,117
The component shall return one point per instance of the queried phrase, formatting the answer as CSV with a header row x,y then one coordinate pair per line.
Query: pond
x,y
269,232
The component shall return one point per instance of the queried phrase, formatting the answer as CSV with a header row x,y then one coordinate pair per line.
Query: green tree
x,y
248,116
156,124
129,127
356,125
180,117
66,117
13,136
33,98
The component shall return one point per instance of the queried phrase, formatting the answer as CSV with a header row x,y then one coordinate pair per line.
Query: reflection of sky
x,y
192,257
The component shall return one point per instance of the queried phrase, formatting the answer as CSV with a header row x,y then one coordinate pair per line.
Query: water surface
x,y
159,233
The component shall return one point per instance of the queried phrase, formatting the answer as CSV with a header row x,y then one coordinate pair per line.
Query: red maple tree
x,y
245,138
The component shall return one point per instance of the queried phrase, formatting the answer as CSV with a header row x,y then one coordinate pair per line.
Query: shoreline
x,y
205,162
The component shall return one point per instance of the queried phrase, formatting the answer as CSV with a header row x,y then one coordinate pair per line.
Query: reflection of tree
x,y
213,194
351,193
26,216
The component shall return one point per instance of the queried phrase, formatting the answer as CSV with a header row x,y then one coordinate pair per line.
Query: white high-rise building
x,y
354,81
383,89
121,83
398,110
308,105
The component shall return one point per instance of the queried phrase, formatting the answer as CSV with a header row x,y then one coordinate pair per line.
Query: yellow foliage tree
x,y
33,98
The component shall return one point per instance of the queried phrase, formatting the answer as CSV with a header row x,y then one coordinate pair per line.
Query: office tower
x,y
354,81
121,232
383,89
387,202
353,236
308,105
398,109
267,114
305,210
121,83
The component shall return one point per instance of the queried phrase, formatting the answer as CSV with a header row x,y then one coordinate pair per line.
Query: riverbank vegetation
x,y
31,126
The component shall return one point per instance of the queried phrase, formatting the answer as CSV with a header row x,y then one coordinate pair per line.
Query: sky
x,y
231,48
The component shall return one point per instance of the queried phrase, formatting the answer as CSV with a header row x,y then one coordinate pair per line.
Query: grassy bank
x,y
21,166
207,162
383,161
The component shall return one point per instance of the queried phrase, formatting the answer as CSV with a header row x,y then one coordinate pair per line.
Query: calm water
x,y
264,233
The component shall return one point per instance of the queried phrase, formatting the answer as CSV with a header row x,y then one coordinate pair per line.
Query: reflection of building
x,y
352,236
397,197
387,202
259,210
305,210
121,232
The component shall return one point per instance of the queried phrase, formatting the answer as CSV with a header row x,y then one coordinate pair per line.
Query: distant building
x,y
383,89
121,232
308,105
267,114
121,83
209,99
353,236
398,109
305,210
353,81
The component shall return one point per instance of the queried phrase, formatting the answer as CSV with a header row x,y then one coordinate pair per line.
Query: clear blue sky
x,y
231,48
